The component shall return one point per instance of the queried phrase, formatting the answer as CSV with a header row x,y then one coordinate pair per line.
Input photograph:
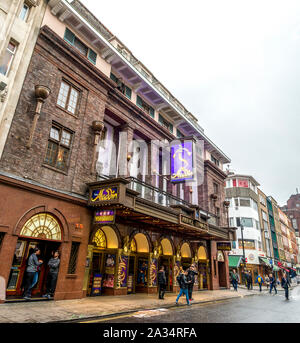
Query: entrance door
x,y
141,273
131,279
202,268
222,274
23,250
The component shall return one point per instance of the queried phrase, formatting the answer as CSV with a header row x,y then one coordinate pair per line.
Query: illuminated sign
x,y
225,246
193,222
104,217
182,161
104,194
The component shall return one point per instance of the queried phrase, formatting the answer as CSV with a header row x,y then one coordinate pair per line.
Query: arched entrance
x,y
43,231
186,255
203,268
166,259
138,273
221,269
102,273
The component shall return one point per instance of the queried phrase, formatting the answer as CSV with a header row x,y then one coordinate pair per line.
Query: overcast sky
x,y
235,65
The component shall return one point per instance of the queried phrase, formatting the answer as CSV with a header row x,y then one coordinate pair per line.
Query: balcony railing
x,y
155,194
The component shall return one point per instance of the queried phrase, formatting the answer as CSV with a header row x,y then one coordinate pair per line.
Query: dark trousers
x,y
190,290
161,290
51,283
28,283
234,284
259,284
286,291
272,285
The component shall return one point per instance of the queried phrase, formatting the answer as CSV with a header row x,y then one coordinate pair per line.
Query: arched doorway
x,y
203,268
166,259
43,231
221,269
102,274
138,273
186,255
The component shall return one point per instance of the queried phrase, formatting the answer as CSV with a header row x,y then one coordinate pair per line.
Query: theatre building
x,y
105,165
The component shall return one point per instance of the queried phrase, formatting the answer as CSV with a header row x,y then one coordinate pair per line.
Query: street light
x,y
244,258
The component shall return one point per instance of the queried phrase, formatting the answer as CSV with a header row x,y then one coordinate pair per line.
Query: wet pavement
x,y
264,308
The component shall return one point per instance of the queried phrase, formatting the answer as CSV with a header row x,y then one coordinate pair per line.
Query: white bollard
x,y
2,288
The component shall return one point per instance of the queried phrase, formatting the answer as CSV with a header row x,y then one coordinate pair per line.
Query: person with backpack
x,y
260,281
183,284
285,283
234,279
272,283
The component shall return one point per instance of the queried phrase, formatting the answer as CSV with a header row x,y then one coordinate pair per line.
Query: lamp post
x,y
244,258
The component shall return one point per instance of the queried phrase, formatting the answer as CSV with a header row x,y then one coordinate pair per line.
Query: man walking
x,y
272,283
191,277
162,282
183,284
53,264
285,283
32,266
260,281
250,280
234,279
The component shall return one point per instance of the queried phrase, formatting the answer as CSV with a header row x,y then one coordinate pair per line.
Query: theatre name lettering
x,y
193,222
104,195
225,246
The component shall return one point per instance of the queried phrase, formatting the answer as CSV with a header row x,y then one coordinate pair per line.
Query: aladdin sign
x,y
182,162
104,194
104,217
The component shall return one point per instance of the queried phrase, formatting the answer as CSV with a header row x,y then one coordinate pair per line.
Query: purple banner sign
x,y
104,217
182,161
122,273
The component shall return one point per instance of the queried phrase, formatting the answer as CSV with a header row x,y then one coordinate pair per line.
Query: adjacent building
x,y
105,165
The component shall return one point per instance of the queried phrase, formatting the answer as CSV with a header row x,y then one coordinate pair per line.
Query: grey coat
x,y
33,263
54,265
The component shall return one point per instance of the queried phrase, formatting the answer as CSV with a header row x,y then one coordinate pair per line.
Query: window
x,y
231,221
144,106
214,160
262,200
264,215
58,150
234,182
24,12
257,226
121,86
255,205
68,97
73,258
8,58
165,123
236,202
247,222
243,183
179,134
294,222
245,202
216,188
77,43
248,244
259,246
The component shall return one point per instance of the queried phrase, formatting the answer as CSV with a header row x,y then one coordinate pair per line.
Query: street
x,y
264,308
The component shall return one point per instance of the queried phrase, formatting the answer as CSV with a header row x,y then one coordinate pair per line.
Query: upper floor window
x,y
214,160
165,123
79,45
262,200
144,106
24,12
243,183
121,86
58,149
245,202
8,57
216,188
179,134
246,222
68,97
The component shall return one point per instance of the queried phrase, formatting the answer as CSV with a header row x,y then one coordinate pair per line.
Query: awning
x,y
281,267
265,261
234,261
293,269
275,268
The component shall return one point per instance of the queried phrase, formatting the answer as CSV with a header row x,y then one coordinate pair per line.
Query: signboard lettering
x,y
104,217
225,246
104,194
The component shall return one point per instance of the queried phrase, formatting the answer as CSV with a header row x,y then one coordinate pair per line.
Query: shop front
x,y
203,268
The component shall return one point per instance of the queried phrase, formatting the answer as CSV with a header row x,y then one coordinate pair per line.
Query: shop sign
x,y
193,222
104,217
104,194
182,162
96,287
130,284
225,246
122,272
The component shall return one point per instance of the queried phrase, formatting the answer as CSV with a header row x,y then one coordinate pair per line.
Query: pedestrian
x,y
234,279
33,264
183,284
247,277
162,282
191,277
260,281
272,283
250,280
53,264
267,280
285,283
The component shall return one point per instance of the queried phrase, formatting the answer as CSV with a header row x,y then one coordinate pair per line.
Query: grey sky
x,y
235,65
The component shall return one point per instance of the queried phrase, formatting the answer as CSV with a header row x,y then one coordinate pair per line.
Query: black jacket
x,y
183,282
191,275
161,278
54,265
285,283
